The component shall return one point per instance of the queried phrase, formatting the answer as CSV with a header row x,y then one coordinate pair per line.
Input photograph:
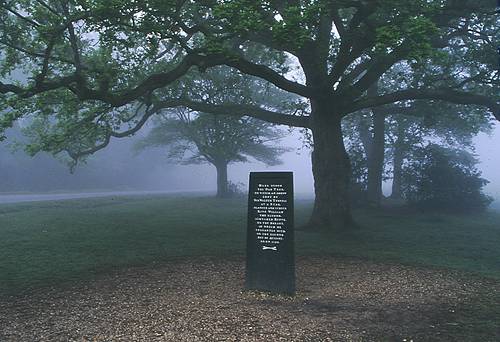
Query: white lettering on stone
x,y
270,206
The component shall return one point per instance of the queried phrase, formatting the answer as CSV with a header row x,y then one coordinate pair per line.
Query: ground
x,y
201,299
171,268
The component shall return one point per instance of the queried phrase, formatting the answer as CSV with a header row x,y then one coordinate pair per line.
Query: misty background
x,y
119,168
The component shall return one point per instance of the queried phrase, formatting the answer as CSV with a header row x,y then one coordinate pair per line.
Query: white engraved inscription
x,y
270,206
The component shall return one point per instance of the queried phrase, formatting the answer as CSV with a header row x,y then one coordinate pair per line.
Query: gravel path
x,y
202,300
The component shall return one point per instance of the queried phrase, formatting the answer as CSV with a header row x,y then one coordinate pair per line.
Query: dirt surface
x,y
202,300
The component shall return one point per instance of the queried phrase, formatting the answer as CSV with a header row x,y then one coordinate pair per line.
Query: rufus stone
x,y
270,264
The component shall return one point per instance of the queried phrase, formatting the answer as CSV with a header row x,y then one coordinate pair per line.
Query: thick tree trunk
x,y
376,159
222,189
331,170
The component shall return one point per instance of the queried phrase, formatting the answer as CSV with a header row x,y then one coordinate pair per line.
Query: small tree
x,y
445,179
194,138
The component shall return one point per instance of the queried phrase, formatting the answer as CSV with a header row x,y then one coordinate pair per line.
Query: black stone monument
x,y
270,242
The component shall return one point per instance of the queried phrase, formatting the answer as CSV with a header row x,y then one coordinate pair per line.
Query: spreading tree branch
x,y
261,71
377,68
443,94
158,80
239,110
20,16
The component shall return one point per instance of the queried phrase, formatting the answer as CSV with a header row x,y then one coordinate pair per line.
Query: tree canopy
x,y
104,67
194,138
115,53
220,140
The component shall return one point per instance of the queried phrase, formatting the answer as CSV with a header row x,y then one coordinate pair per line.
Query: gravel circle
x,y
201,299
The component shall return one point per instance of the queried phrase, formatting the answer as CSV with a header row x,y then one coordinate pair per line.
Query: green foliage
x,y
297,21
241,15
118,45
408,24
416,33
445,179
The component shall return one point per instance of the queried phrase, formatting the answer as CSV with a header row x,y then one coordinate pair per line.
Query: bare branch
x,y
45,63
355,39
355,73
117,134
20,16
337,21
239,110
377,68
41,87
73,42
260,71
77,155
443,94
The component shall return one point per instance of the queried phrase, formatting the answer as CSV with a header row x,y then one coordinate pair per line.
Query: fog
x,y
487,149
118,168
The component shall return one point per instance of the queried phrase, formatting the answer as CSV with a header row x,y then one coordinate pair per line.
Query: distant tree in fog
x,y
194,138
381,143
380,139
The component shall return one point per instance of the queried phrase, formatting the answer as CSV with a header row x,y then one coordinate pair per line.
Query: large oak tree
x,y
220,140
107,59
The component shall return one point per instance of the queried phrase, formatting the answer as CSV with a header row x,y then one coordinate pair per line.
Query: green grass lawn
x,y
48,243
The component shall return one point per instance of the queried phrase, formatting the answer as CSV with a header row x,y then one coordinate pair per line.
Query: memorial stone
x,y
270,264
